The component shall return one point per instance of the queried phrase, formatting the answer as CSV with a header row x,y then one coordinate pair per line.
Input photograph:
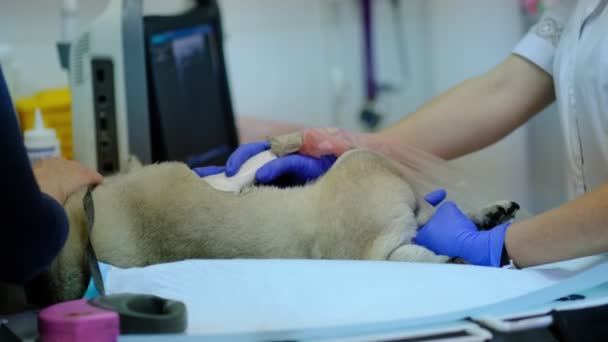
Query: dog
x,y
363,208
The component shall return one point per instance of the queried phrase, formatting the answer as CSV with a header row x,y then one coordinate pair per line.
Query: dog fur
x,y
362,208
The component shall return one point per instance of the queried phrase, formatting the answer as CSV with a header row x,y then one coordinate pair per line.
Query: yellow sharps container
x,y
55,105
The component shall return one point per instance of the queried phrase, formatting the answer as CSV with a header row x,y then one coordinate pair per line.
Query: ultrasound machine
x,y
150,86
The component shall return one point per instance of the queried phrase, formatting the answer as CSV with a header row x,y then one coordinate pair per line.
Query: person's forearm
x,y
576,229
477,112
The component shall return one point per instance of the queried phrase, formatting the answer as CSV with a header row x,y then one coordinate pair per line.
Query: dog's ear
x,y
423,210
133,163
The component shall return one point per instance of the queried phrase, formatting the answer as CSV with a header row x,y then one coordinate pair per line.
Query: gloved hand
x,y
450,232
435,197
292,169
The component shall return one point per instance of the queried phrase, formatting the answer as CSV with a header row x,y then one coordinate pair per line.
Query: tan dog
x,y
362,208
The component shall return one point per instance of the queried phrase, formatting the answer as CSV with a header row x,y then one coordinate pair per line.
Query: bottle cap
x,y
40,135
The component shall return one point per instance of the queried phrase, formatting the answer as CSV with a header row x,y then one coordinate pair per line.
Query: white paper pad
x,y
238,296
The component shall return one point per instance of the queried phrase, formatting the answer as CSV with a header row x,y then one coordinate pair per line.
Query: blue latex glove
x,y
435,197
292,169
450,232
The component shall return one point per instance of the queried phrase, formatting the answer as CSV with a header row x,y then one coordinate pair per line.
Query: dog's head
x,y
67,277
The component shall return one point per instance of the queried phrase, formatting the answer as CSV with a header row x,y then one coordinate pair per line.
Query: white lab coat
x,y
570,42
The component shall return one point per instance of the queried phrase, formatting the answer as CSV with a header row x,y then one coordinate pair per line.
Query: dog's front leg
x,y
415,253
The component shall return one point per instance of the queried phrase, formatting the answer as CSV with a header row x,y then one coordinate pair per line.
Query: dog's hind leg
x,y
494,214
415,253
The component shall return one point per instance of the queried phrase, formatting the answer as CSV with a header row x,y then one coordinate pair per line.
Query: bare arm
x,y
476,113
576,229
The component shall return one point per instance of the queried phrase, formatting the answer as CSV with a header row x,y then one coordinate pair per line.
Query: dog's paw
x,y
457,261
494,214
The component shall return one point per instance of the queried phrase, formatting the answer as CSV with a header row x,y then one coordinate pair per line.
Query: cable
x,y
401,50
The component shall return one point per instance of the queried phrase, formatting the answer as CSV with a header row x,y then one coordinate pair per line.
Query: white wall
x,y
31,28
284,55
468,38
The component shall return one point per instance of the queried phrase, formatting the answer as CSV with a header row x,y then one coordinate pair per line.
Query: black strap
x,y
89,211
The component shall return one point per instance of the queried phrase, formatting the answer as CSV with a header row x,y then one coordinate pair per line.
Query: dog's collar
x,y
89,211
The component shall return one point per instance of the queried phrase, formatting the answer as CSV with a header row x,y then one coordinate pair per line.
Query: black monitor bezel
x,y
205,13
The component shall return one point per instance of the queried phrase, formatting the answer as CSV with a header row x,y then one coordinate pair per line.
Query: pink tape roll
x,y
78,321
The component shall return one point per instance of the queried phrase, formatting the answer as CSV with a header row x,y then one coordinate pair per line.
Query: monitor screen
x,y
190,110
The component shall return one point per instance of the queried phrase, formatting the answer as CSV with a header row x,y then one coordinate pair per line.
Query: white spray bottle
x,y
41,142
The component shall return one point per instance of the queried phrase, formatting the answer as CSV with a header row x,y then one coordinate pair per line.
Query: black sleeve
x,y
33,226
